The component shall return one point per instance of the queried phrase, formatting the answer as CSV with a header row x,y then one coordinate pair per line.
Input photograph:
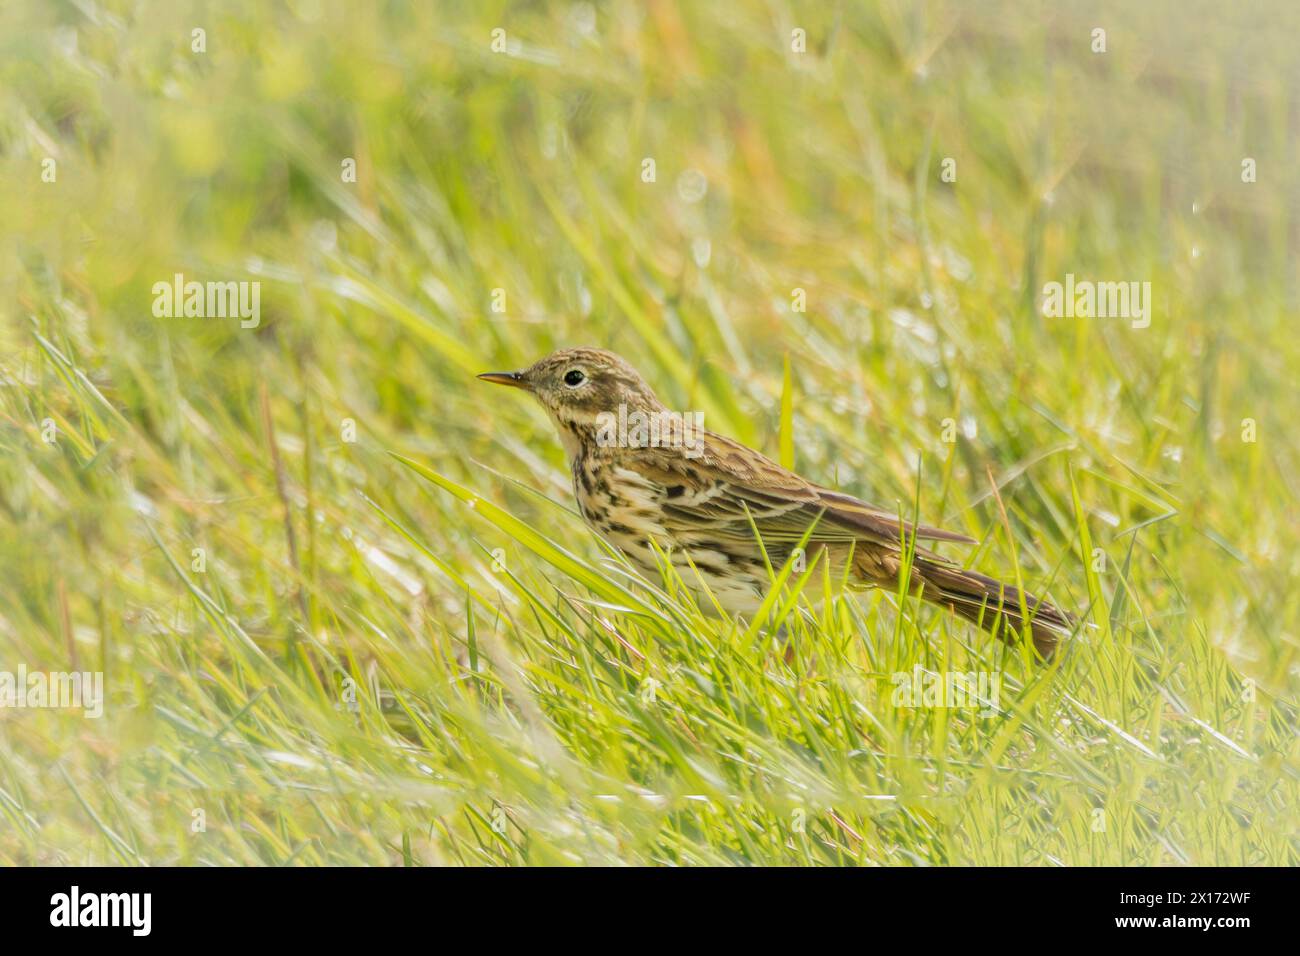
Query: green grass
x,y
407,649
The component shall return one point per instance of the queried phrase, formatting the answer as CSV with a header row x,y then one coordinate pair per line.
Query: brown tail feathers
x,y
992,604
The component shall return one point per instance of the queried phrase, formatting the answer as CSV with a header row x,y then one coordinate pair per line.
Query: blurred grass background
x,y
509,710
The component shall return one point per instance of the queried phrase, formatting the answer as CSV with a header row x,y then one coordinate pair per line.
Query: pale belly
x,y
706,572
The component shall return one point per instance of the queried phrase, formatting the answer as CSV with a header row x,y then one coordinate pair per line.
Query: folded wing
x,y
728,486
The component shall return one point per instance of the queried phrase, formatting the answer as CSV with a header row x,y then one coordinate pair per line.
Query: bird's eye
x,y
574,377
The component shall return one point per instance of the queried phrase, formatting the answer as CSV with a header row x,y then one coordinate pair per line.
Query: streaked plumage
x,y
701,509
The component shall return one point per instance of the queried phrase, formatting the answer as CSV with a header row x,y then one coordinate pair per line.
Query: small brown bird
x,y
642,473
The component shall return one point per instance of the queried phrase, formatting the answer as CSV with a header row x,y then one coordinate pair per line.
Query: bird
x,y
656,483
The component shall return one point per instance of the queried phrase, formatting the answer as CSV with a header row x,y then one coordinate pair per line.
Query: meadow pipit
x,y
700,498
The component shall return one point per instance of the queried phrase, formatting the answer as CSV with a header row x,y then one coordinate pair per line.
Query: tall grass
x,y
405,648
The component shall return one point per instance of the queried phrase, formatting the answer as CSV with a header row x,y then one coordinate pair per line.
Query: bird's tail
x,y
991,604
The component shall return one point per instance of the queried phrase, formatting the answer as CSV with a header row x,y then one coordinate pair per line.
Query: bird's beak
x,y
513,379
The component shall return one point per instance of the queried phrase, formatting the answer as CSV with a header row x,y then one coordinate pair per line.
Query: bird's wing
x,y
726,485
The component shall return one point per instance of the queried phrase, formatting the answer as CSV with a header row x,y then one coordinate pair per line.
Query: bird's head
x,y
577,385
